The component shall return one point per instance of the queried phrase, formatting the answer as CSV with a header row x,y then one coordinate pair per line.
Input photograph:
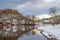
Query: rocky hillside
x,y
9,13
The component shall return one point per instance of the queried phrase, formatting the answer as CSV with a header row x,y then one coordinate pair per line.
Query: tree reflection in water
x,y
32,36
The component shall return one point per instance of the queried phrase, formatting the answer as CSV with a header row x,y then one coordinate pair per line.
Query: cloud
x,y
49,1
37,6
30,6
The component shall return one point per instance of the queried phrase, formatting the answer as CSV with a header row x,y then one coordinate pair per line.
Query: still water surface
x,y
31,36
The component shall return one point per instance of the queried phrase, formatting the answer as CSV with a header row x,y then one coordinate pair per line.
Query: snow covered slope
x,y
53,30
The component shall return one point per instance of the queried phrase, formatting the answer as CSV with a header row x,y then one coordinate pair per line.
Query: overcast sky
x,y
30,7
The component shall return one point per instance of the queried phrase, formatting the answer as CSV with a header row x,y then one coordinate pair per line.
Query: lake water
x,y
31,36
53,30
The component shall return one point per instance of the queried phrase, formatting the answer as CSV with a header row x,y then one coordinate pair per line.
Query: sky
x,y
30,7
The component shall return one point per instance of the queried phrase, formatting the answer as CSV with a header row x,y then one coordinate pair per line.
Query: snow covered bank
x,y
53,30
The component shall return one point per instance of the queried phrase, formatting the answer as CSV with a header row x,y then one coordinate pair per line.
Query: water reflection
x,y
32,36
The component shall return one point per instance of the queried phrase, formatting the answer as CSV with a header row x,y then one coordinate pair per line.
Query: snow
x,y
8,21
6,29
53,30
14,28
14,21
23,21
48,30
